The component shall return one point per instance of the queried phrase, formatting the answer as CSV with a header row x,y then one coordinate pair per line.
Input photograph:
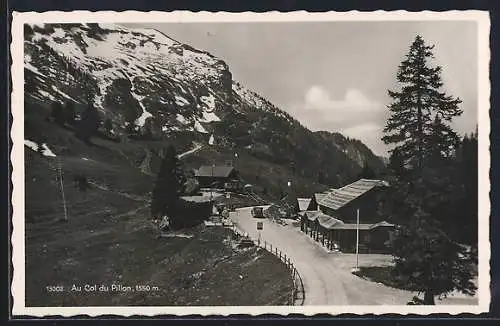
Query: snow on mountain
x,y
44,149
139,77
118,65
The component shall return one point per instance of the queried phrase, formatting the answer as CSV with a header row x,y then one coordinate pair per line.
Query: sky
x,y
334,76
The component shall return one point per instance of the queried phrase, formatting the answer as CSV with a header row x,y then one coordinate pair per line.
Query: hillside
x,y
144,82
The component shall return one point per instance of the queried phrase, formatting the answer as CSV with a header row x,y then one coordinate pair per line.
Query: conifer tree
x,y
169,186
367,172
416,105
57,113
396,164
69,113
89,123
108,125
426,257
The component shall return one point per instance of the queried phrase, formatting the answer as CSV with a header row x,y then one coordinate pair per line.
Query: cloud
x,y
355,115
318,98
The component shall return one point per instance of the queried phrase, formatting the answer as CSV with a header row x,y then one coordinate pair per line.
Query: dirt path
x,y
327,276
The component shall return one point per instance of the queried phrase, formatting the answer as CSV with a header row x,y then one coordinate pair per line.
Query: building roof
x,y
362,226
303,203
198,199
331,223
352,226
218,171
383,223
319,195
324,220
338,198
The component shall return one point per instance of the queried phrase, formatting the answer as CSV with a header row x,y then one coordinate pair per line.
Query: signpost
x,y
260,226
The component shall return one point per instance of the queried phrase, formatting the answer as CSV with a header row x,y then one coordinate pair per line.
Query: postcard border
x,y
17,156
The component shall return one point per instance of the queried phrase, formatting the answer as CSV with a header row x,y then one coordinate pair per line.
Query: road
x,y
326,275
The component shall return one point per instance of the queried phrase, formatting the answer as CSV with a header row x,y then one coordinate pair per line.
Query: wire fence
x,y
297,296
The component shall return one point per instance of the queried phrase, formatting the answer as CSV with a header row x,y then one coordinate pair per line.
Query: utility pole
x,y
357,239
59,170
212,185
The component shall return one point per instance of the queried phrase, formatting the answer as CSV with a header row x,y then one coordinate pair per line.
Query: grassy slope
x,y
108,238
260,173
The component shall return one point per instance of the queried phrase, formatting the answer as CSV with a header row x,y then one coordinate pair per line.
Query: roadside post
x,y
357,239
60,177
260,226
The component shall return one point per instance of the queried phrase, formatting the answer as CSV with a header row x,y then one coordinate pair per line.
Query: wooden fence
x,y
297,296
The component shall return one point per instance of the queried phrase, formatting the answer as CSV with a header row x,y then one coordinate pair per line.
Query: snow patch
x,y
29,66
179,100
209,117
47,95
47,151
31,144
198,127
211,140
181,119
208,101
59,32
63,94
145,114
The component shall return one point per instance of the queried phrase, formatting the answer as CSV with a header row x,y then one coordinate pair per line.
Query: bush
x,y
189,214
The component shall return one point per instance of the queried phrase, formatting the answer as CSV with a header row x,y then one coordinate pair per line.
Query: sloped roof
x,y
220,171
338,198
324,220
352,226
318,196
362,226
328,222
198,199
383,223
303,203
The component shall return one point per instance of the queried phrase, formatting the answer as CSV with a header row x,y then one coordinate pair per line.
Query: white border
x,y
17,156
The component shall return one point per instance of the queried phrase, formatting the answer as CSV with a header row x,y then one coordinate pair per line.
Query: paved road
x,y
327,276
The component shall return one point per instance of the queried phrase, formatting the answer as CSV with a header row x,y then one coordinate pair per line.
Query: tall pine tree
x,y
169,186
426,257
416,105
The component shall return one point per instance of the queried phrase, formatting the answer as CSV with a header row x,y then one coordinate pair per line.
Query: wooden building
x,y
216,176
331,217
344,202
313,203
335,234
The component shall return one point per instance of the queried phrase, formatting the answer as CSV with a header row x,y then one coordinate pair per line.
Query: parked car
x,y
258,212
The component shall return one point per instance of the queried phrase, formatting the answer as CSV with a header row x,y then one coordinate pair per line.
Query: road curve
x,y
327,276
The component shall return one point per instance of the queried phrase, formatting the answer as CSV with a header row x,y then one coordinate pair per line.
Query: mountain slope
x,y
144,80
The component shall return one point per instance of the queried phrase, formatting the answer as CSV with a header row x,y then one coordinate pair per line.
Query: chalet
x,y
344,202
216,176
331,217
313,203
